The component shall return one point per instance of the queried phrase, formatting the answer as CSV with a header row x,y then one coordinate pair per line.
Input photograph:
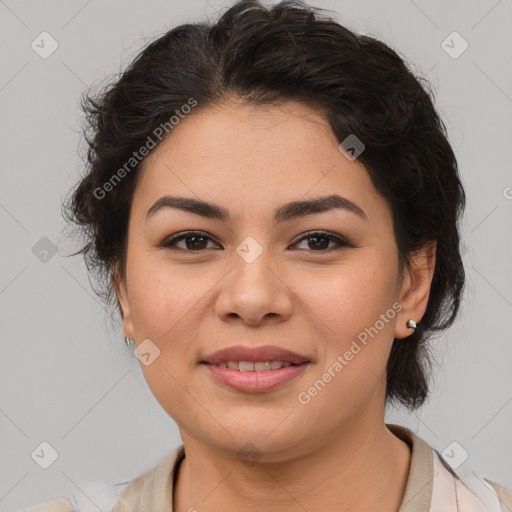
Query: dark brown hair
x,y
290,51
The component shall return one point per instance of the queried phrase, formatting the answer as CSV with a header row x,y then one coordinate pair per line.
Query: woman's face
x,y
252,280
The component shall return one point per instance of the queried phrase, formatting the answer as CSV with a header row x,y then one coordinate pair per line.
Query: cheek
x,y
172,389
162,294
350,296
351,308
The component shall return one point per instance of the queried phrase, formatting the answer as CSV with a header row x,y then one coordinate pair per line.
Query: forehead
x,y
249,133
264,154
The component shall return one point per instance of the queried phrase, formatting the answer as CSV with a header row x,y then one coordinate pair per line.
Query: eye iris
x,y
316,238
194,245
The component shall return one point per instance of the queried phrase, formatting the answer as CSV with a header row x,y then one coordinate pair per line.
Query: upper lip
x,y
262,353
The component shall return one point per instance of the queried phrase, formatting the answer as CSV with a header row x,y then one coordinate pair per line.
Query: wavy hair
x,y
261,55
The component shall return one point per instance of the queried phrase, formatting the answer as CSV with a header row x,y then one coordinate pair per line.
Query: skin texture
x,y
335,453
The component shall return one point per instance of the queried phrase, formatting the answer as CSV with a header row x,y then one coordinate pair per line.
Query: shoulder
x,y
504,494
455,486
93,496
59,505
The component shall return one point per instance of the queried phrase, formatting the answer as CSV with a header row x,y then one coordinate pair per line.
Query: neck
x,y
364,469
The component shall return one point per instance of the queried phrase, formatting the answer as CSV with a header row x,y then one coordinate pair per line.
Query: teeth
x,y
258,366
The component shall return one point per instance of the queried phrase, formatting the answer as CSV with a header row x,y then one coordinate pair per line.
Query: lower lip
x,y
255,382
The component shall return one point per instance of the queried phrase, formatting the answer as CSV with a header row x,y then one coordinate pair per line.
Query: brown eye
x,y
195,241
319,241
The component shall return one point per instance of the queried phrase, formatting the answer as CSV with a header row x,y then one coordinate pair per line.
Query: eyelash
x,y
170,243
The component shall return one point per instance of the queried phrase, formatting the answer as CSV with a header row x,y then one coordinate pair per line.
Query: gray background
x,y
65,378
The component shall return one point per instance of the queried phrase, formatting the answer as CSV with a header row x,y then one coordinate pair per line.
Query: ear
x,y
415,288
123,302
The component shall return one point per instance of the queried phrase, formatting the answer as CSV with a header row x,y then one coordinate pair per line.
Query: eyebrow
x,y
283,213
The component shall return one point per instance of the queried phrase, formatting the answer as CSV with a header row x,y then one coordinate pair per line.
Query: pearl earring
x,y
411,324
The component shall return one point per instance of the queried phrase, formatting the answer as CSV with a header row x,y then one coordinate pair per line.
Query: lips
x,y
258,366
262,354
255,369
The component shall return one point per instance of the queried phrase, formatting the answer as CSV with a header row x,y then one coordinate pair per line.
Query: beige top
x,y
432,486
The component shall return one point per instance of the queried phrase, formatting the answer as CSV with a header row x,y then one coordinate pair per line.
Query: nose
x,y
254,291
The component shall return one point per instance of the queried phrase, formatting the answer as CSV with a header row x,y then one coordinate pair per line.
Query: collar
x,y
419,485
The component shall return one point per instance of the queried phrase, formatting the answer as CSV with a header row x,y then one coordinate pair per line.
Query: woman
x,y
273,205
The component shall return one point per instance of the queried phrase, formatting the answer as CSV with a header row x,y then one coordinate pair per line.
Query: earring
x,y
411,324
128,341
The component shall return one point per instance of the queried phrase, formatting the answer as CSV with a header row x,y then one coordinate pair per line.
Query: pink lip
x,y
262,353
255,382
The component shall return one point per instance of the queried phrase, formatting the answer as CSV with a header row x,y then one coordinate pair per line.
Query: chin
x,y
258,442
